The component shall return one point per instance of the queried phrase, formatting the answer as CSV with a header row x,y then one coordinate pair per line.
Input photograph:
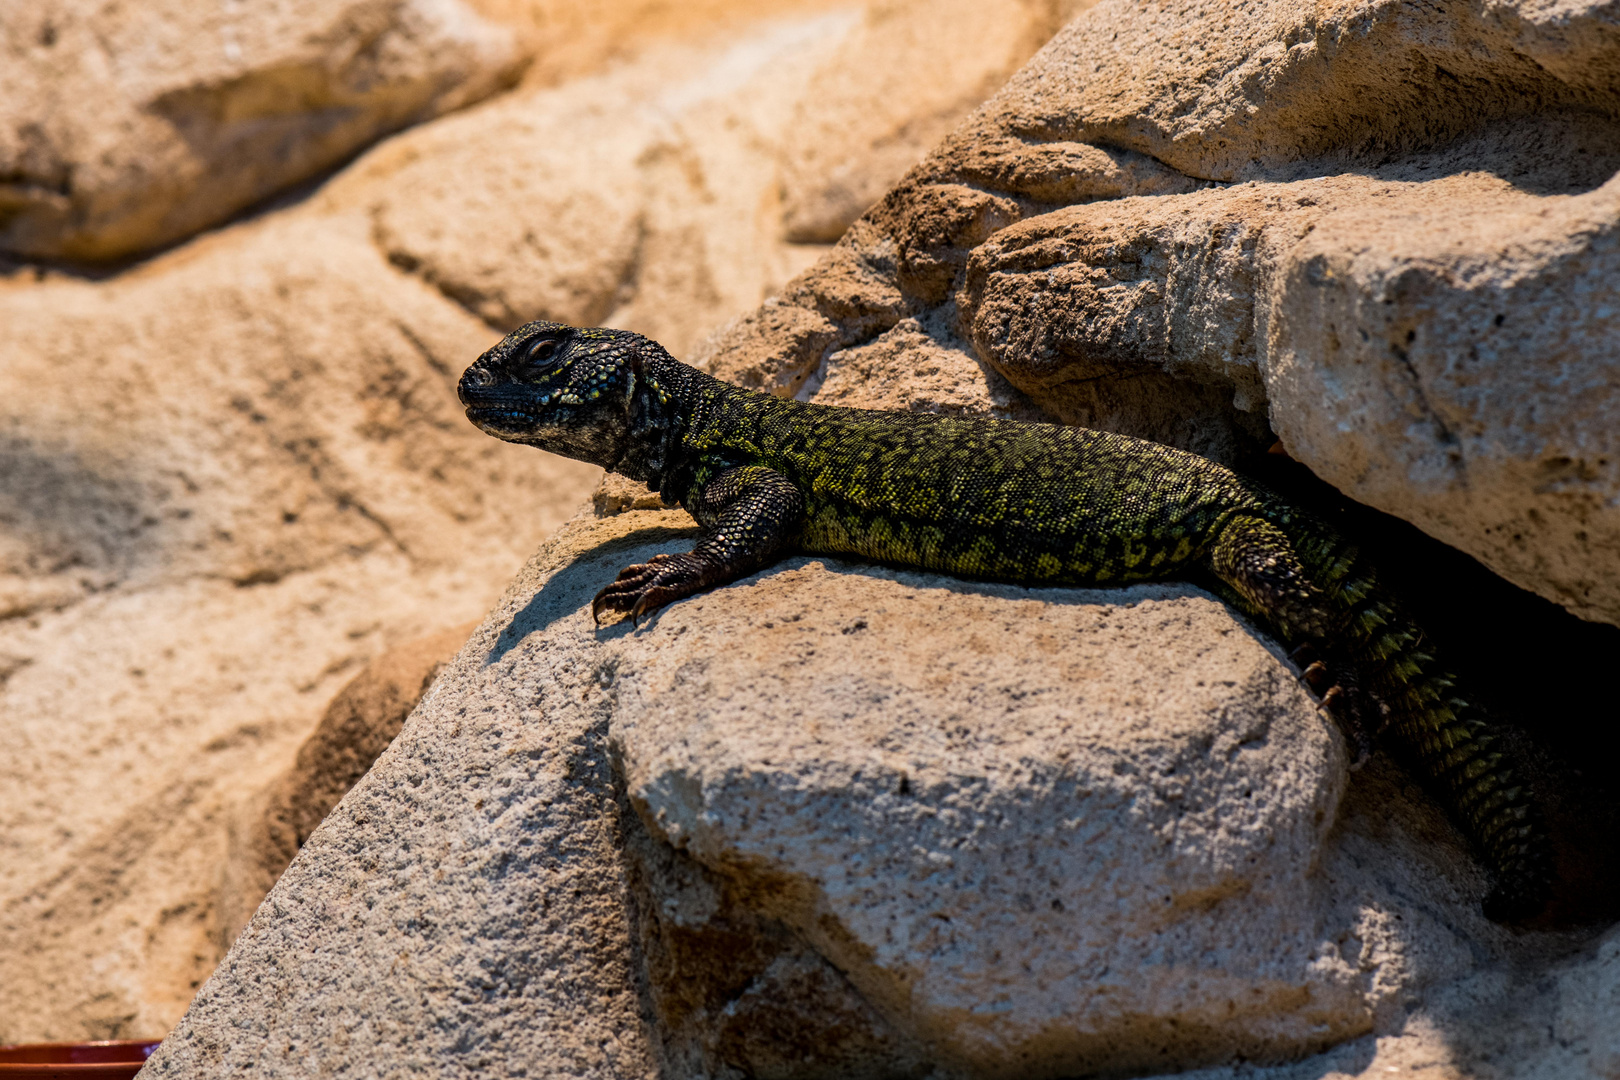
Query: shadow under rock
x,y
1535,668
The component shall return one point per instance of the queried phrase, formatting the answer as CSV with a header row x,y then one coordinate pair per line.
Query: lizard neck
x,y
661,411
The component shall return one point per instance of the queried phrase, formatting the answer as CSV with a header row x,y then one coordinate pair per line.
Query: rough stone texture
x,y
662,196
1435,339
1217,225
236,473
841,820
358,725
1024,825
1492,349
124,127
225,483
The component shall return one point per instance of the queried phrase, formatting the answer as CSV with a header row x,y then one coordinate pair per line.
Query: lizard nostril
x,y
475,377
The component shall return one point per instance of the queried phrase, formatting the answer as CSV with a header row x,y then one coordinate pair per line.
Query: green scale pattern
x,y
1026,503
1033,504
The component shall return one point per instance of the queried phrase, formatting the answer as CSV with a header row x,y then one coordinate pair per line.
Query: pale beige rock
x,y
357,726
233,475
1372,312
1454,359
872,812
225,481
943,375
1401,169
1235,90
124,127
897,86
1025,825
642,197
665,196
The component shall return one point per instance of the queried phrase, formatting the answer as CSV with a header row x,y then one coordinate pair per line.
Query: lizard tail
x,y
1455,747
1318,588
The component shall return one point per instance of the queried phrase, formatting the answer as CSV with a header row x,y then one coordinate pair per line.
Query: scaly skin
x,y
1035,504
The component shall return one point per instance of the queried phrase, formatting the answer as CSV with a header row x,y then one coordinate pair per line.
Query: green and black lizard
x,y
1034,504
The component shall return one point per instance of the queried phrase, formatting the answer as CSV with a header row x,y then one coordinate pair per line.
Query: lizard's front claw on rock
x,y
646,587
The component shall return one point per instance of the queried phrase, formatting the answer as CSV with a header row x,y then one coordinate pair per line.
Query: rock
x,y
616,494
235,474
1099,830
1015,834
1223,234
943,374
493,862
127,128
896,86
227,481
358,725
672,194
1369,307
1451,360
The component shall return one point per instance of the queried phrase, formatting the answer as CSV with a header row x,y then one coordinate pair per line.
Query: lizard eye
x,y
539,351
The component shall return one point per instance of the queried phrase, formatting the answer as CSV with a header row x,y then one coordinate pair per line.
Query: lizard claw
x,y
649,586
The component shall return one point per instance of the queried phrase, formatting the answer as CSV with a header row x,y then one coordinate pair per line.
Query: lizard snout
x,y
475,378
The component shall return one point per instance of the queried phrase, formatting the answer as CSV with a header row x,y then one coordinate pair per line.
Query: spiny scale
x,y
1035,504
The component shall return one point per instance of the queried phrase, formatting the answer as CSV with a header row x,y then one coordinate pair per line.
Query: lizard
x,y
1004,500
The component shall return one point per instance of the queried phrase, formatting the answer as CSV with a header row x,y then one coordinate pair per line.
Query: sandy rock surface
x,y
229,480
1378,231
1023,824
125,127
234,474
842,820
359,723
806,825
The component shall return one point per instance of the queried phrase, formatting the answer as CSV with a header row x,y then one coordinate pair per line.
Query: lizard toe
x,y
648,586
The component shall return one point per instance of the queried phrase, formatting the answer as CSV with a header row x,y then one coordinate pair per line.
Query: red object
x,y
115,1059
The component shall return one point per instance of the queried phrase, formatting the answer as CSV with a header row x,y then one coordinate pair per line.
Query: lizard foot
x,y
1359,715
650,585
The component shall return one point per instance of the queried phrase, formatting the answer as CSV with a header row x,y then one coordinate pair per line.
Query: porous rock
x,y
1435,337
234,474
914,825
1217,225
126,127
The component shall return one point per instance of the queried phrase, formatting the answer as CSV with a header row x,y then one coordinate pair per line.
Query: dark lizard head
x,y
558,387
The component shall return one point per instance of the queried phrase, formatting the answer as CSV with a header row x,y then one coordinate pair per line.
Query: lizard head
x,y
558,387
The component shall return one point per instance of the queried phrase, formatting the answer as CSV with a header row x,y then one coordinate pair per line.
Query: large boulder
x,y
1380,232
125,127
840,820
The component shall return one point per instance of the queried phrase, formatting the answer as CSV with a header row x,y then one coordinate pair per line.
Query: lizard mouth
x,y
502,421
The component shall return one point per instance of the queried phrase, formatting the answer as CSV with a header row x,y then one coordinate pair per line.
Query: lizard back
x,y
986,498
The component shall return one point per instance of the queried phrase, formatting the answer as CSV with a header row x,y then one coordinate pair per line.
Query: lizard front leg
x,y
750,517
